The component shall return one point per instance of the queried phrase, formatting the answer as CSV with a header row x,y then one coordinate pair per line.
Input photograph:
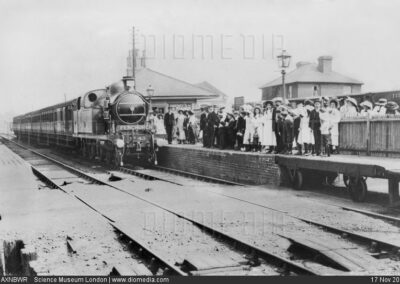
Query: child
x,y
326,127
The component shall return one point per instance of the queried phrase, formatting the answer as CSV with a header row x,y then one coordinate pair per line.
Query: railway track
x,y
254,256
377,247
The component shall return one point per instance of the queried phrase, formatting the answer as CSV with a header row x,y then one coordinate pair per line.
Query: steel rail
x,y
255,251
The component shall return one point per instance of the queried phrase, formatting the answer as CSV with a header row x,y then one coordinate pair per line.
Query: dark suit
x,y
169,121
203,121
276,127
240,128
212,123
315,125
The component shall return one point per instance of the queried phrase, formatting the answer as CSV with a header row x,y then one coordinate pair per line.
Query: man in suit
x,y
276,124
169,121
203,124
315,125
212,124
240,128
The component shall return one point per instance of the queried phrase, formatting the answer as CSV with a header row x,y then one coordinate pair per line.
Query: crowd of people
x,y
311,127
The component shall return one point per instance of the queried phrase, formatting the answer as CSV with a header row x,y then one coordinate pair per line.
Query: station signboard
x,y
238,102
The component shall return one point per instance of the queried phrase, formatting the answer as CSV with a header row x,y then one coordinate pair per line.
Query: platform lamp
x,y
150,93
284,62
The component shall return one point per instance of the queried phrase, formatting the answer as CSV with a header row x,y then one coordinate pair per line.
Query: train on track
x,y
110,124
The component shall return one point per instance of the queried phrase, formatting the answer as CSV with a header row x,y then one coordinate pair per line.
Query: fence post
x,y
368,135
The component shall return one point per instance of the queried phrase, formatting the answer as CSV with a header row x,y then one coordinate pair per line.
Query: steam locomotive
x,y
110,124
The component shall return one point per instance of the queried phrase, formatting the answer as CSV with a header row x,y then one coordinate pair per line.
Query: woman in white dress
x,y
306,137
180,128
335,117
249,130
258,128
268,138
160,128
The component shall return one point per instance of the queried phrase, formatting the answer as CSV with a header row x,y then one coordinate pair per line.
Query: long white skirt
x,y
268,135
248,136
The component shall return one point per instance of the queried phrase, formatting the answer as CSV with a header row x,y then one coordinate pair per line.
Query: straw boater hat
x,y
352,100
392,105
367,104
382,102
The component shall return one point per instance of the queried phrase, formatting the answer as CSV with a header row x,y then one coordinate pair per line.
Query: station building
x,y
312,80
170,91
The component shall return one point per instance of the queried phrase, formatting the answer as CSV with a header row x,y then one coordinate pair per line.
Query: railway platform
x,y
298,171
44,220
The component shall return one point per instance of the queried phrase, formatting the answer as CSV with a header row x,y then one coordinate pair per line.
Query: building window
x,y
315,91
290,94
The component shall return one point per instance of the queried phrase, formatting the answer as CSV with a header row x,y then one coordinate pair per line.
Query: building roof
x,y
207,86
167,86
308,73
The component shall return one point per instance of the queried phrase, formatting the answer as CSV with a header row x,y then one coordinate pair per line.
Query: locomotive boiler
x,y
108,124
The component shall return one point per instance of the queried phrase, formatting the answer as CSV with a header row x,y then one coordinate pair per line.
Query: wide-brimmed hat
x,y
352,100
277,99
317,100
308,103
284,111
335,101
180,111
367,104
190,112
271,102
382,102
392,105
257,107
230,114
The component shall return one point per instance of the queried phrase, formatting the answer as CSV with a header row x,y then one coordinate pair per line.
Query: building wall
x,y
305,90
178,104
329,90
246,168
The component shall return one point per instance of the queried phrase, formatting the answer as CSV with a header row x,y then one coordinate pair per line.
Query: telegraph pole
x,y
133,58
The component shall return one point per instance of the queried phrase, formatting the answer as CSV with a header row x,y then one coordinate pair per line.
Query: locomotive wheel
x,y
330,179
358,189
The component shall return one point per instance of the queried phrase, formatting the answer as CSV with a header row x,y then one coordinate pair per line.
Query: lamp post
x,y
284,62
150,93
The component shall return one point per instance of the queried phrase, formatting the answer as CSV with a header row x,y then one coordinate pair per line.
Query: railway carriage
x,y
110,124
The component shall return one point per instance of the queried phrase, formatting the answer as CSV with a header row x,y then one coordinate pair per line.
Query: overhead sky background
x,y
49,48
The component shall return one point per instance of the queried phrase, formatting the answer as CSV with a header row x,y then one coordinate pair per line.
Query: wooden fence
x,y
375,136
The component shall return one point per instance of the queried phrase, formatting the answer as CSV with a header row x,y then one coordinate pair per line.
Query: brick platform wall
x,y
246,168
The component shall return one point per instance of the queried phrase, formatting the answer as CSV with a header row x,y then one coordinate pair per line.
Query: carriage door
x,y
76,116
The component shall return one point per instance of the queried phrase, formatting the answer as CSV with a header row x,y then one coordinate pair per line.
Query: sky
x,y
51,49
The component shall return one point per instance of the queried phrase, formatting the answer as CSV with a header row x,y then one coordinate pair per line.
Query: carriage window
x,y
79,103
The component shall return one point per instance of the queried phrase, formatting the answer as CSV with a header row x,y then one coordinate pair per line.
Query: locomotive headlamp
x,y
129,83
150,93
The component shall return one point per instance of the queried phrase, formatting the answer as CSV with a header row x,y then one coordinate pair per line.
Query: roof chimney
x,y
325,64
